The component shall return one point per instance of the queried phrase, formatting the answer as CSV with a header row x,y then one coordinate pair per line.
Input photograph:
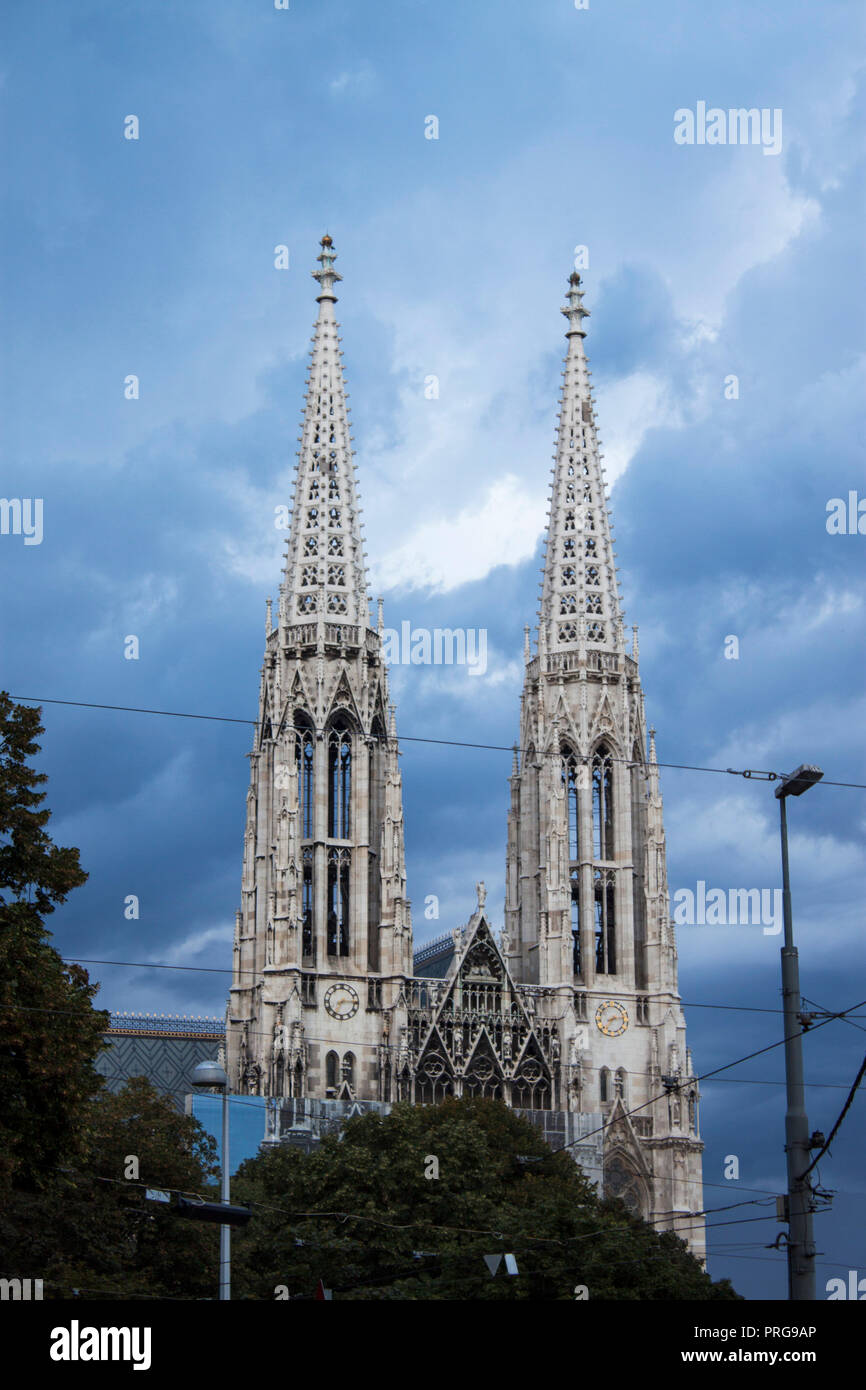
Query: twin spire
x,y
325,574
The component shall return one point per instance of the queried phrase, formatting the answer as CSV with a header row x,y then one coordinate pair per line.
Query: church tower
x,y
587,911
323,935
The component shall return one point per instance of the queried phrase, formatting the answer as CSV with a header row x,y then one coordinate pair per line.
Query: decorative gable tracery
x,y
478,1037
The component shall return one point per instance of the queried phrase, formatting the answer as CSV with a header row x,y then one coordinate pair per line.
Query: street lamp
x,y
211,1076
801,1244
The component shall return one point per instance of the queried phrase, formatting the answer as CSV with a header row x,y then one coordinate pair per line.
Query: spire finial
x,y
574,310
327,276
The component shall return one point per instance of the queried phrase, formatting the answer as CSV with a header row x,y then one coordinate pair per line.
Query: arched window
x,y
305,758
602,805
433,1081
339,783
331,1063
604,1085
338,903
571,782
575,921
347,1070
376,803
605,922
308,945
639,886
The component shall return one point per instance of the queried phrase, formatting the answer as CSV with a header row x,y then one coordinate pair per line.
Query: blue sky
x,y
155,257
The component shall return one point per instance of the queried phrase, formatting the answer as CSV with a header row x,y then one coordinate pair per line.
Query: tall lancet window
x,y
571,783
605,922
376,803
308,937
339,783
602,804
575,921
338,902
305,757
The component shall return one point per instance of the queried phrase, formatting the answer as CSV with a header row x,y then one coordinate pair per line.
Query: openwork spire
x,y
580,607
325,578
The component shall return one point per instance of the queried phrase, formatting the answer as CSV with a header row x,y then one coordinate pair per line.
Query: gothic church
x,y
571,1013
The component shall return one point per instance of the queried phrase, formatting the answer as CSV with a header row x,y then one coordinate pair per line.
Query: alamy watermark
x,y
737,126
22,516
23,1290
739,907
446,646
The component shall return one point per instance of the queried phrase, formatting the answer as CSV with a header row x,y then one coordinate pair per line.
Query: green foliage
x,y
92,1229
360,1214
49,1031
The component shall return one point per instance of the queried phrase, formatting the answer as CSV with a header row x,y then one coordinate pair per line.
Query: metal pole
x,y
225,1231
801,1245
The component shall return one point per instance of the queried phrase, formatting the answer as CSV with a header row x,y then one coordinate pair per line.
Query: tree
x,y
384,1229
50,1033
93,1230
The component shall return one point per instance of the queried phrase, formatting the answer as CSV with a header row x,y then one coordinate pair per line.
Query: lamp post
x,y
211,1076
801,1244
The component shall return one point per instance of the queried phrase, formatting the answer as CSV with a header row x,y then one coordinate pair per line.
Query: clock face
x,y
341,1001
611,1019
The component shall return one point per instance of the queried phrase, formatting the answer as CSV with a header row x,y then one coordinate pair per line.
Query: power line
x,y
706,1075
262,1033
424,979
844,1111
748,773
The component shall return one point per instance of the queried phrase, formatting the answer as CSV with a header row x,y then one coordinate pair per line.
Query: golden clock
x,y
611,1018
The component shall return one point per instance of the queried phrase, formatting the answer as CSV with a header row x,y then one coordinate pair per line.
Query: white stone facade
x,y
573,1009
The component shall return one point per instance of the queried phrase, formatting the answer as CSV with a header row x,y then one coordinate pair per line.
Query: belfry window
x,y
605,922
602,805
307,937
339,784
305,760
604,1085
571,782
575,922
338,903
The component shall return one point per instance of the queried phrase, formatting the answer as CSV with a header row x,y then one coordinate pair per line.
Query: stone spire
x,y
325,577
579,576
324,912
